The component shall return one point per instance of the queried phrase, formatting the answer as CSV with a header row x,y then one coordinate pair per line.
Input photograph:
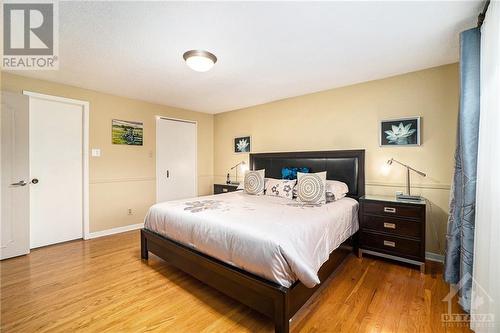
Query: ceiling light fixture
x,y
199,60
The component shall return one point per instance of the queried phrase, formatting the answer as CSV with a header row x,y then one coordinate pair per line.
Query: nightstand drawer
x,y
224,188
392,225
389,209
391,244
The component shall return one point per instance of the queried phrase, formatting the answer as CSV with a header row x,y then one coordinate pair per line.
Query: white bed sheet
x,y
273,237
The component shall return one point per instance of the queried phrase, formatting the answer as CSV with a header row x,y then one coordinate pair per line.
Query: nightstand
x,y
224,188
391,228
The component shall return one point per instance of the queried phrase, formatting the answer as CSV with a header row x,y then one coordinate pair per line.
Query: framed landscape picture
x,y
400,132
126,132
242,144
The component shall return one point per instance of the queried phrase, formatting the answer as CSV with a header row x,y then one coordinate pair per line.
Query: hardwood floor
x,y
101,285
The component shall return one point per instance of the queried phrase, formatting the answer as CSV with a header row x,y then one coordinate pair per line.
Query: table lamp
x,y
242,164
407,196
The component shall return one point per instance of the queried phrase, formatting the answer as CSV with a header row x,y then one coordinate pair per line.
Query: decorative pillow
x,y
254,182
311,187
330,197
335,190
280,187
291,173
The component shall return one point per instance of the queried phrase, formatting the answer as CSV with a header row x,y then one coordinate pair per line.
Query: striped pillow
x,y
311,187
254,182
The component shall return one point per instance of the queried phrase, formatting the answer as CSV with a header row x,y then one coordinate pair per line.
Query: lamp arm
x,y
410,168
237,165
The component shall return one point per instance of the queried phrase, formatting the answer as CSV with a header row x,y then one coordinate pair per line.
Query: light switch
x,y
96,152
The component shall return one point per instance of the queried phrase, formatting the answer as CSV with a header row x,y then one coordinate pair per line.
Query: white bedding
x,y
275,238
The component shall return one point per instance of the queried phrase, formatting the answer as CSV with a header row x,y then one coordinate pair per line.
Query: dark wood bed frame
x,y
271,299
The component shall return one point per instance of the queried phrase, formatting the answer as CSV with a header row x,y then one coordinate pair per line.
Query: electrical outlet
x,y
130,211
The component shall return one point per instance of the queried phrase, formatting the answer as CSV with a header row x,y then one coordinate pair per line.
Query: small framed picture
x,y
242,144
400,132
125,132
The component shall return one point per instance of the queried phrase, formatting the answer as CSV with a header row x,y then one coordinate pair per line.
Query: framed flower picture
x,y
242,144
400,132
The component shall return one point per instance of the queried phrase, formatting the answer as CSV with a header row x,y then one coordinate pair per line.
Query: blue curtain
x,y
460,236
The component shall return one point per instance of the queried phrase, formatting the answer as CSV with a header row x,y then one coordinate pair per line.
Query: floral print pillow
x,y
280,187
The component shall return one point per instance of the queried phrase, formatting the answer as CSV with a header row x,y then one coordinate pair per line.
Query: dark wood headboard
x,y
347,166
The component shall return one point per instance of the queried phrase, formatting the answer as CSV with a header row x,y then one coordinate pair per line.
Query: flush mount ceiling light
x,y
199,60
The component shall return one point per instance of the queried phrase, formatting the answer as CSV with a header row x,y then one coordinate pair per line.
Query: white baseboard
x,y
113,231
434,257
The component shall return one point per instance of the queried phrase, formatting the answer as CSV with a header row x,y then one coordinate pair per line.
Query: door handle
x,y
19,183
168,174
34,181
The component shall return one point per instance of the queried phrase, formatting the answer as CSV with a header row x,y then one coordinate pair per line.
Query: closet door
x,y
176,175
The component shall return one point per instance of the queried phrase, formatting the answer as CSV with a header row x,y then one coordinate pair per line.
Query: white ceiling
x,y
266,51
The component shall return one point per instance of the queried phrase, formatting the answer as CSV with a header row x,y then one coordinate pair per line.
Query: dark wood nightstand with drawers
x,y
393,229
224,188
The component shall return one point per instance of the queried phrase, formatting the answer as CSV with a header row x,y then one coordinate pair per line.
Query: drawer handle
x,y
389,225
389,243
224,190
389,209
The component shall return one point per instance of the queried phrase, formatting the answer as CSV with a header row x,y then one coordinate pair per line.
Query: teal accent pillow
x,y
291,173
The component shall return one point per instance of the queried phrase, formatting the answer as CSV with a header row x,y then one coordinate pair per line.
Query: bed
x,y
269,253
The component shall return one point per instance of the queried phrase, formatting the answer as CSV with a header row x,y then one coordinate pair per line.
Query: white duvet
x,y
275,238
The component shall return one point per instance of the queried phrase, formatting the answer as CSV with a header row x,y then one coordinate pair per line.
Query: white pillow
x,y
254,182
241,186
337,189
311,187
280,187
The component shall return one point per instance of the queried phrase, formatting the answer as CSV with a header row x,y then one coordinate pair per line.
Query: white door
x,y
56,166
14,238
176,176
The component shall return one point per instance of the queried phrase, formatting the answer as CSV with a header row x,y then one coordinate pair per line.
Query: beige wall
x,y
348,118
124,176
343,118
